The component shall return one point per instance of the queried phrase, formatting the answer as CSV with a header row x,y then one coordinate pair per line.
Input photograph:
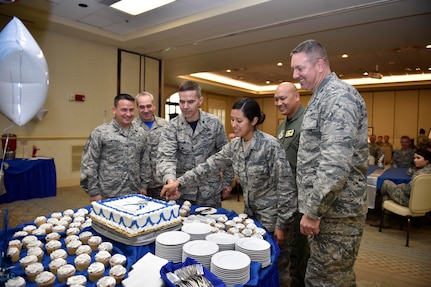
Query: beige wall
x,y
81,67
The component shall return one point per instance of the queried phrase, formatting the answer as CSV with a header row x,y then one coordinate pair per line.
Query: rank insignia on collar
x,y
280,135
289,133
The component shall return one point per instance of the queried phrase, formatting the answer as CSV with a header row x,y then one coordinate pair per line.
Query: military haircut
x,y
123,97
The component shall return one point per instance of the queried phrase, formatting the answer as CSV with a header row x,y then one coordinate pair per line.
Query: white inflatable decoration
x,y
24,76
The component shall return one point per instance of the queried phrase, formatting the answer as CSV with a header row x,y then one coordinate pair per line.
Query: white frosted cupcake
x,y
65,271
52,245
117,259
106,281
59,253
29,228
17,281
15,243
27,239
32,270
94,241
70,238
57,215
55,264
35,243
95,271
80,280
103,256
47,226
13,253
72,230
72,246
84,249
118,272
59,228
38,221
107,246
45,279
84,236
39,231
36,251
52,236
27,260
82,261
53,221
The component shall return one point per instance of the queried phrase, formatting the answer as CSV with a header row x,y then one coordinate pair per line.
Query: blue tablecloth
x,y
26,179
395,174
372,168
268,276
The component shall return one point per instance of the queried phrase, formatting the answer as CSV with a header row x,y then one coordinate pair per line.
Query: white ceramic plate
x,y
196,228
173,238
205,210
231,260
200,247
251,243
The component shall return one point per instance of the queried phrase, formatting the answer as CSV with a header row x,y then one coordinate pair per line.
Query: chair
x,y
371,160
388,154
419,203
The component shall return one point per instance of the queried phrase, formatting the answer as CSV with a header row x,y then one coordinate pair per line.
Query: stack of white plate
x,y
197,230
225,241
169,245
200,250
257,249
232,267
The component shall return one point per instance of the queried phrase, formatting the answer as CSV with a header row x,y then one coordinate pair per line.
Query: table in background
x,y
396,174
29,178
268,276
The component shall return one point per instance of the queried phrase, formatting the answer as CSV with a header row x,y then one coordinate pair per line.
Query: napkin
x,y
146,269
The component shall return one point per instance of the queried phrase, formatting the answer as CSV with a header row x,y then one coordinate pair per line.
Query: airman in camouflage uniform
x,y
400,193
153,127
263,172
188,140
115,160
292,261
403,157
332,167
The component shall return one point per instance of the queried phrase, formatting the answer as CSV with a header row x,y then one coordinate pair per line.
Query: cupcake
x,y
57,215
59,253
72,246
29,228
117,259
45,279
79,280
32,270
52,236
82,261
13,253
65,271
95,271
36,251
20,233
75,225
15,243
70,238
55,264
107,246
39,231
68,212
27,239
118,272
84,236
35,243
40,220
59,228
106,281
94,242
72,230
47,226
53,221
52,245
84,249
17,281
103,256
27,260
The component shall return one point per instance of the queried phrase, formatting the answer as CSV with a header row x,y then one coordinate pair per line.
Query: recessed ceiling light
x,y
345,56
134,7
228,71
268,82
279,64
365,73
428,46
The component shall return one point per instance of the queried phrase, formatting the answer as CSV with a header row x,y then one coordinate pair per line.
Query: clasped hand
x,y
170,190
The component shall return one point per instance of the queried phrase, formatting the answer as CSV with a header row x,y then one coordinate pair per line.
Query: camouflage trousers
x,y
391,190
294,253
333,252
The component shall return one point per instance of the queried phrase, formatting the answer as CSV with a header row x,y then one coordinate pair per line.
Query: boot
x,y
386,219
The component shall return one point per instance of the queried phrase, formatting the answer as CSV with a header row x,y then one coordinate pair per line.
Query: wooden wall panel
x,y
384,113
130,67
424,110
406,110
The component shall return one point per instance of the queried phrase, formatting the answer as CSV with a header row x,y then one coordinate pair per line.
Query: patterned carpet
x,y
383,259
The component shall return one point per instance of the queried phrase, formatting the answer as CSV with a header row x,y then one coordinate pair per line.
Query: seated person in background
x,y
401,193
373,147
404,156
380,140
422,142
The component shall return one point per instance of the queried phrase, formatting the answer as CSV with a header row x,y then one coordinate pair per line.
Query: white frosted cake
x,y
135,214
